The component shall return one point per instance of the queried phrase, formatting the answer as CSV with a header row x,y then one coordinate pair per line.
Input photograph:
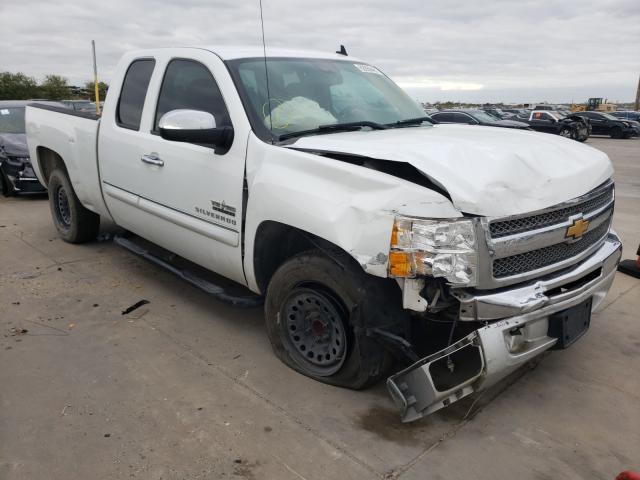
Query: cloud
x,y
433,47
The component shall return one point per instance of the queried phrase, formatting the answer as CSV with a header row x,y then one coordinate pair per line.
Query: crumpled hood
x,y
14,144
487,171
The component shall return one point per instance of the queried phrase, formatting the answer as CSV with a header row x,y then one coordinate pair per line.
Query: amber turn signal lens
x,y
399,264
394,235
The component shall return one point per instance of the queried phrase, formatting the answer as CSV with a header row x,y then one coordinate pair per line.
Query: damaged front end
x,y
516,324
18,175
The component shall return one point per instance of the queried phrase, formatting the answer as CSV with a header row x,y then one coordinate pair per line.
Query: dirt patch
x,y
386,424
243,468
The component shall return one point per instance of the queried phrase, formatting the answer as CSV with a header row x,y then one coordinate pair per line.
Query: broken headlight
x,y
435,248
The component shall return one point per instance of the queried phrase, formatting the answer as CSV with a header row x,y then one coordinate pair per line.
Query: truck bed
x,y
73,136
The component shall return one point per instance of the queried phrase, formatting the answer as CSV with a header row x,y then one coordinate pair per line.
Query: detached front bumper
x,y
515,331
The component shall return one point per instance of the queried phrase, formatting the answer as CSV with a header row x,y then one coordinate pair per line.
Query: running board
x,y
248,301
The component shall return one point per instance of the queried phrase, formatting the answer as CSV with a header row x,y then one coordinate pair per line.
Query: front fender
x,y
351,206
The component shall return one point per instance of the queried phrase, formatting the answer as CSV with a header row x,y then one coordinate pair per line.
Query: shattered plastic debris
x,y
135,306
13,331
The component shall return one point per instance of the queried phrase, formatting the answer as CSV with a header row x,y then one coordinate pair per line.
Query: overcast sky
x,y
502,50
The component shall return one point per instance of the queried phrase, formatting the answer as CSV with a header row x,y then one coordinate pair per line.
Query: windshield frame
x,y
257,125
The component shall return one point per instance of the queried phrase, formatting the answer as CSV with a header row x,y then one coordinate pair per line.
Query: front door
x,y
185,197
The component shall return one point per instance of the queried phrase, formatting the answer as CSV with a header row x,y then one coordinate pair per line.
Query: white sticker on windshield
x,y
4,111
367,68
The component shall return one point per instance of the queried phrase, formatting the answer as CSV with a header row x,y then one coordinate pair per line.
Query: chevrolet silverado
x,y
452,254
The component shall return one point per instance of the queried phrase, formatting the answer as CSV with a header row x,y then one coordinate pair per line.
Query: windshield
x,y
12,120
307,93
483,116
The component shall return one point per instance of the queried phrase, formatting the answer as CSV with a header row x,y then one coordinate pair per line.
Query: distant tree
x,y
102,90
17,86
54,87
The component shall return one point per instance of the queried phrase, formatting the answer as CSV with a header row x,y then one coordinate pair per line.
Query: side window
x,y
462,118
133,93
546,116
189,84
443,117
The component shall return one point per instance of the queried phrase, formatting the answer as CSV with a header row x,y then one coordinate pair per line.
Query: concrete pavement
x,y
188,388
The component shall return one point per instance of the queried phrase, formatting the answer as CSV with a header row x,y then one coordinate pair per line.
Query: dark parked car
x,y
16,174
635,126
476,117
499,113
606,124
549,121
627,115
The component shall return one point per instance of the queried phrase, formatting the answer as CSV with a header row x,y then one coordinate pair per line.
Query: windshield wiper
x,y
335,127
411,121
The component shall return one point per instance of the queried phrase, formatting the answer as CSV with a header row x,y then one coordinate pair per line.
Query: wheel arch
x,y
48,160
276,242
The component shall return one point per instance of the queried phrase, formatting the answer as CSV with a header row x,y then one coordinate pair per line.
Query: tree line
x,y
18,86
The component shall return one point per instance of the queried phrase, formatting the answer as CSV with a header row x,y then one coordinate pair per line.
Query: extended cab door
x,y
185,197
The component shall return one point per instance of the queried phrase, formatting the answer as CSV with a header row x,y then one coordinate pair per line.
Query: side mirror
x,y
195,126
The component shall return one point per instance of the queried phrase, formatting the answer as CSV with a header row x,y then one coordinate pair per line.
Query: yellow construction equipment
x,y
594,104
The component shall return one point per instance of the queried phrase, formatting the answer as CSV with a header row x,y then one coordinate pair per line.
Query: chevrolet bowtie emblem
x,y
577,229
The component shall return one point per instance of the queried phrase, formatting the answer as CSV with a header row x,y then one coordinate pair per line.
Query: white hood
x,y
487,171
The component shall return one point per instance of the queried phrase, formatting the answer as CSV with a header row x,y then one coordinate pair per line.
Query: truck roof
x,y
233,52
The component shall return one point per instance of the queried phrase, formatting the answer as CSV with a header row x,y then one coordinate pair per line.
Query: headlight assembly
x,y
436,248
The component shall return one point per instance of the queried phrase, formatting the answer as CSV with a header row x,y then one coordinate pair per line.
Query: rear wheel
x,y
314,306
74,223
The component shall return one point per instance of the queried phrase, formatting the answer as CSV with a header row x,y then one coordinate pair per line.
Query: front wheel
x,y
74,223
565,132
313,307
616,132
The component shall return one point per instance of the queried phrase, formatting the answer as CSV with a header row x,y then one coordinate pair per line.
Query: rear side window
x,y
462,118
188,84
443,117
133,93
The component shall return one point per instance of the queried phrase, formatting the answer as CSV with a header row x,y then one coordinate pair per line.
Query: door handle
x,y
152,159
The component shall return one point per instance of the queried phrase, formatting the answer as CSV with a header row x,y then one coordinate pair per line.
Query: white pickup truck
x,y
452,254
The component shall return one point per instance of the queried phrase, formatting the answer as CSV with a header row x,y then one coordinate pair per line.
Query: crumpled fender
x,y
348,205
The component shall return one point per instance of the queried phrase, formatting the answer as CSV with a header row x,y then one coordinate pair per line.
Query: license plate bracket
x,y
570,324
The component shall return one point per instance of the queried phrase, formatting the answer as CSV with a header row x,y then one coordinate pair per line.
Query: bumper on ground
x,y
518,332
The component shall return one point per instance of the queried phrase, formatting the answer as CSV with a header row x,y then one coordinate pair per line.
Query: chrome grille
x,y
502,228
543,257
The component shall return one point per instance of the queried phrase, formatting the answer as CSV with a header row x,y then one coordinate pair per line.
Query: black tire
x,y
332,296
74,223
616,132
